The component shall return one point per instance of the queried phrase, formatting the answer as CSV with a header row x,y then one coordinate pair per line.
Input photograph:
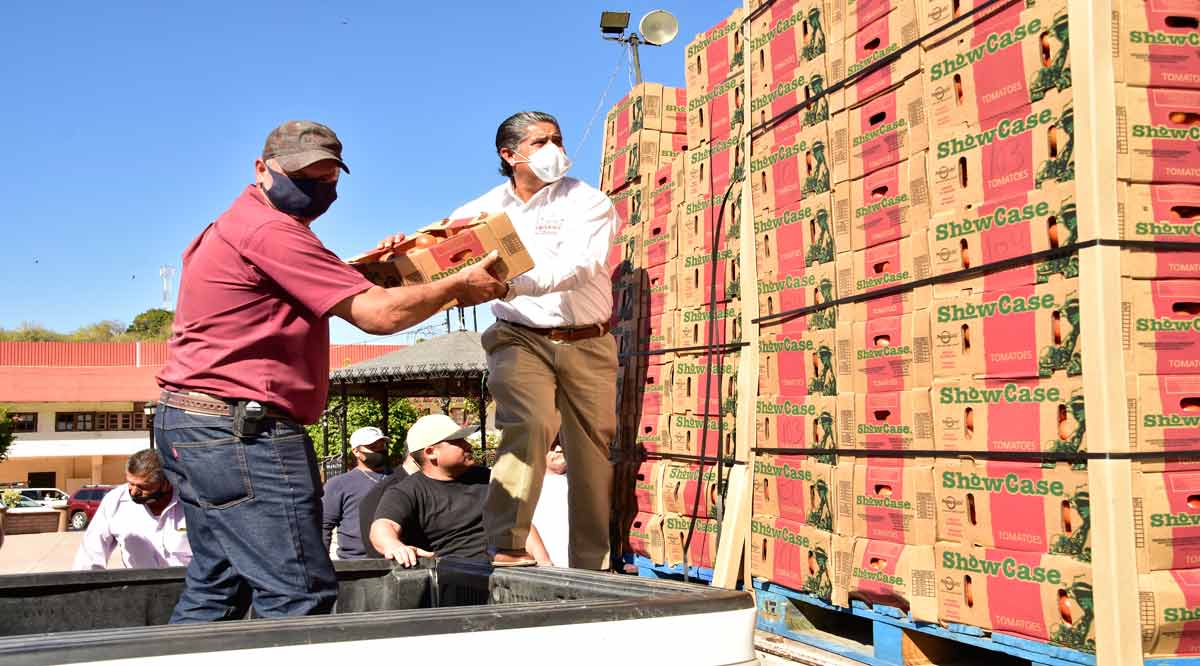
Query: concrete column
x,y
97,469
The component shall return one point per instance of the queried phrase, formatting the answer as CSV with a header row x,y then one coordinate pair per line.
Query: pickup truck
x,y
444,611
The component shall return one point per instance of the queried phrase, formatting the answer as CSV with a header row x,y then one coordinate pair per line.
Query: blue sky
x,y
128,126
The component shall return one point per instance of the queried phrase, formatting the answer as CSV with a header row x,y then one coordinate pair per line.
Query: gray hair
x,y
513,130
146,464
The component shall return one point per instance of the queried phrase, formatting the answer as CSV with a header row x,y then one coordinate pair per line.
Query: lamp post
x,y
658,27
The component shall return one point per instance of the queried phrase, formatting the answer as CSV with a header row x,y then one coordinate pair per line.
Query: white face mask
x,y
549,163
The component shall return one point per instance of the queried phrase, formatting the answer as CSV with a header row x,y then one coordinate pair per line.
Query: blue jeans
x,y
253,509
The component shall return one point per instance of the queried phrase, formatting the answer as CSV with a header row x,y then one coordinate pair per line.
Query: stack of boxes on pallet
x,y
1158,125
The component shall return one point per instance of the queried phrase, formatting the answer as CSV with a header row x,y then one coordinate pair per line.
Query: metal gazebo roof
x,y
448,365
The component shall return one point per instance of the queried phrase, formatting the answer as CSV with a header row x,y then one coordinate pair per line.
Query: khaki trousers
x,y
542,389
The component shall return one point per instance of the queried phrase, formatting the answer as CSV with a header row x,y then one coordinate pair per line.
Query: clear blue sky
x,y
128,126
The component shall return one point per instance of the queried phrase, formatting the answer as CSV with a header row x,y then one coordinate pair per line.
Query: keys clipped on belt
x,y
247,415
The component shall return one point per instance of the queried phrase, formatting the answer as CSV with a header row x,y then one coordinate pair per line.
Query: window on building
x,y
24,421
106,421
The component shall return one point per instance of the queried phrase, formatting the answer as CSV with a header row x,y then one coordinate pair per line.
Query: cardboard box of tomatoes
x,y
446,247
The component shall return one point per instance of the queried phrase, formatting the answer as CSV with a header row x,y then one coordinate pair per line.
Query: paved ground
x,y
52,551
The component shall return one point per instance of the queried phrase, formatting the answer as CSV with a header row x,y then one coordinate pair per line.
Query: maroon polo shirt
x,y
252,322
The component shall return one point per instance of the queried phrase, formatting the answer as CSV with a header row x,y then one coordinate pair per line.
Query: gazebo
x,y
451,365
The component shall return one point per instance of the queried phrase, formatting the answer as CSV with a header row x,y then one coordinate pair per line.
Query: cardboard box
x,y
714,55
1007,58
783,174
696,277
893,501
933,14
796,556
812,286
880,132
661,290
699,218
463,243
647,486
1169,605
871,45
1025,415
891,353
1158,135
691,432
898,421
1022,332
637,160
655,389
692,381
1157,43
712,166
801,234
1003,156
790,36
799,365
646,538
660,240
654,433
702,552
630,204
668,191
1164,414
885,205
1168,213
896,575
1014,505
1004,229
1166,519
883,266
682,482
718,113
627,303
646,106
692,327
859,14
1046,597
774,98
1161,329
797,488
808,422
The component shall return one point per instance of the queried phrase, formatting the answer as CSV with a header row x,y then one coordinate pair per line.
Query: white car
x,y
51,497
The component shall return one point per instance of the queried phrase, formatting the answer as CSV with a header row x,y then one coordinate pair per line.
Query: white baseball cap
x,y
367,436
435,428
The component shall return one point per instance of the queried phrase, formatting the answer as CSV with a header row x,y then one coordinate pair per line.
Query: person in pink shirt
x,y
248,366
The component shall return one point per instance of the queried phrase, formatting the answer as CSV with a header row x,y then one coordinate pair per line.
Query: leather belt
x,y
203,404
565,334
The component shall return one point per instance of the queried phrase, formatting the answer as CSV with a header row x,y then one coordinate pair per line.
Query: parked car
x,y
83,504
51,497
25,504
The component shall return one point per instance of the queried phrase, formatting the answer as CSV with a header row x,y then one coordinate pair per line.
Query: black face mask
x,y
147,498
374,460
305,198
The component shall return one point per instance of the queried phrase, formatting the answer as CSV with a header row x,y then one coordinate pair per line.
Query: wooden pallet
x,y
648,569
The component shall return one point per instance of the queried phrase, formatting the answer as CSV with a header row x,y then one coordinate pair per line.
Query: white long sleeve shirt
x,y
567,227
551,519
147,541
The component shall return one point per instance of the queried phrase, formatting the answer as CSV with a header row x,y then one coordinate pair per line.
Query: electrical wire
x,y
600,105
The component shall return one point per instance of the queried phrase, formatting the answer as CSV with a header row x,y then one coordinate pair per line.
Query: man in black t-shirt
x,y
370,502
439,510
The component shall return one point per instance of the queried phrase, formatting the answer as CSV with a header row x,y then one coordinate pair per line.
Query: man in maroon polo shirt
x,y
248,364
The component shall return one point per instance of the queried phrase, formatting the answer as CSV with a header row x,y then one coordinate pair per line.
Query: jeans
x,y
253,509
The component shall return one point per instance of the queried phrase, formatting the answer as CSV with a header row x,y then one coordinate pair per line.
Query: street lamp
x,y
658,27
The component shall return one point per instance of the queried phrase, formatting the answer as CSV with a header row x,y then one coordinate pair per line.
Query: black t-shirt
x,y
443,517
368,505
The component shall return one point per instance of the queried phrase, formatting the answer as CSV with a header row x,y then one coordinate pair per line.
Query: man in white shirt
x,y
552,363
142,516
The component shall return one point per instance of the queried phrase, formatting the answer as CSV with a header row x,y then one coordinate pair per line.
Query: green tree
x,y
365,412
153,324
108,330
29,331
6,433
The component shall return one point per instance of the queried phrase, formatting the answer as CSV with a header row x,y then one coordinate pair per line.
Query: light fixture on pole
x,y
657,28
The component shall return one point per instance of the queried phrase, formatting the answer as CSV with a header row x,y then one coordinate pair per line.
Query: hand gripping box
x,y
799,235
896,575
788,36
877,57
773,99
647,486
653,433
1167,213
714,55
809,422
798,557
885,205
891,353
999,230
812,286
1161,326
703,387
1166,519
1021,332
645,537
801,364
1007,58
899,421
1158,135
716,114
651,106
892,501
1021,415
1040,596
700,326
702,551
712,167
883,266
716,436
800,489
1022,149
688,490
1014,505
637,159
781,174
1169,605
1158,43
880,132
1164,414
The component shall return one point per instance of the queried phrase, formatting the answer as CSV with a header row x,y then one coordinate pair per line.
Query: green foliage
x,y
153,324
365,412
10,498
6,433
